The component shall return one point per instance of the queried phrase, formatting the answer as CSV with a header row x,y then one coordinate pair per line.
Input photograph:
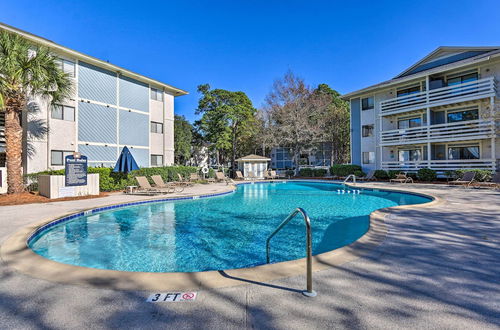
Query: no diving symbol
x,y
188,296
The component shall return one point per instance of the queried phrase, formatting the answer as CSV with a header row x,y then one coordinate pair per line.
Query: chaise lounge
x,y
402,178
465,181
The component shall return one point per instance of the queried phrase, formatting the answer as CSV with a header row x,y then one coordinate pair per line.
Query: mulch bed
x,y
28,198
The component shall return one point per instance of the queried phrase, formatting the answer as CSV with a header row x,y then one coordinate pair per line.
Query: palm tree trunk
x,y
14,150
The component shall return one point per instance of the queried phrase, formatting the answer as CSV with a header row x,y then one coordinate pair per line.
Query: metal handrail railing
x,y
309,291
350,176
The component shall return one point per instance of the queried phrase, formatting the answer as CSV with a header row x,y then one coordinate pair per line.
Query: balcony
x,y
458,131
472,90
2,139
441,165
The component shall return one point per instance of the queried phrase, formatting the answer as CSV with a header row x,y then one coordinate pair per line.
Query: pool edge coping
x,y
16,254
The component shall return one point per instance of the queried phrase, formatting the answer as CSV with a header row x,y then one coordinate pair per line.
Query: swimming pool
x,y
216,233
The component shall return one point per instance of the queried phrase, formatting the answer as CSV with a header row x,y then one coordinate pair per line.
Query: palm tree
x,y
27,71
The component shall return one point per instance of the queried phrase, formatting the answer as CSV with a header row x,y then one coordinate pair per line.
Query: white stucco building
x,y
441,113
111,107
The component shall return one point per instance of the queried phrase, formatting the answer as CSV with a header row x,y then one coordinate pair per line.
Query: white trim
x,y
90,59
103,144
82,100
117,86
389,84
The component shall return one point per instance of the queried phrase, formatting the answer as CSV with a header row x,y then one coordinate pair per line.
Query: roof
x,y
253,157
441,59
92,60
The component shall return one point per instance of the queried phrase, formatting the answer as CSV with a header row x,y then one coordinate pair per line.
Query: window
x,y
156,127
156,160
463,152
411,155
409,122
156,94
408,91
367,130
283,158
369,157
461,78
67,67
463,115
367,103
57,157
63,112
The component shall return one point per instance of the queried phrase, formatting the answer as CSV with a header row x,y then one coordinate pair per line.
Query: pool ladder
x,y
309,291
349,177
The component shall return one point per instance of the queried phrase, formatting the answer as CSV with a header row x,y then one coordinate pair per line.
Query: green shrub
x,y
412,175
290,173
481,175
381,174
359,173
392,173
110,181
319,172
426,174
306,172
344,170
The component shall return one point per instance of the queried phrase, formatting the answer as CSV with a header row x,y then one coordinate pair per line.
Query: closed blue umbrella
x,y
126,162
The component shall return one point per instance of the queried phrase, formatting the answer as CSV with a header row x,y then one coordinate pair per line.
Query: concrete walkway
x,y
439,267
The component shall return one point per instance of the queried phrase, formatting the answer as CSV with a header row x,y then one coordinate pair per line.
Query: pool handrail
x,y
350,176
309,292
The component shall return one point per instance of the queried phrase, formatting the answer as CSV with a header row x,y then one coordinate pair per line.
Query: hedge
x,y
359,173
344,170
381,175
426,174
110,181
312,172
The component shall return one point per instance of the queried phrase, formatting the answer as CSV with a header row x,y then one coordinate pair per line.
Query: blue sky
x,y
246,45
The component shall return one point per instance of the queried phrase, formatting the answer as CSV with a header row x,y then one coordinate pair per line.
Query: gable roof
x,y
253,157
445,55
441,59
92,60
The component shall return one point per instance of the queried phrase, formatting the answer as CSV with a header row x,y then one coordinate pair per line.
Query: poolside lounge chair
x,y
465,180
402,178
494,183
146,188
251,176
368,177
170,186
269,175
193,177
239,176
221,177
183,181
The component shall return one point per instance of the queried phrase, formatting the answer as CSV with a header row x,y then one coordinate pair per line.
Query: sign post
x,y
75,170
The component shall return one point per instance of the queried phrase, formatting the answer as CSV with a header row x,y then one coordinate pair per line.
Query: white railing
x,y
440,165
468,91
458,131
2,137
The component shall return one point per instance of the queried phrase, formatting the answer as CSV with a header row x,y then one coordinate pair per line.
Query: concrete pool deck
x,y
437,267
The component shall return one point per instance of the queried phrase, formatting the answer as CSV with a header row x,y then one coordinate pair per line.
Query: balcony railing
x,y
2,138
458,131
468,91
441,165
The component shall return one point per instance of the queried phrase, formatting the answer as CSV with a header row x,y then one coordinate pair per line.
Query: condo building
x,y
318,156
441,113
110,108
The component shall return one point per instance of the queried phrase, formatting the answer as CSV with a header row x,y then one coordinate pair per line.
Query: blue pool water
x,y
216,233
